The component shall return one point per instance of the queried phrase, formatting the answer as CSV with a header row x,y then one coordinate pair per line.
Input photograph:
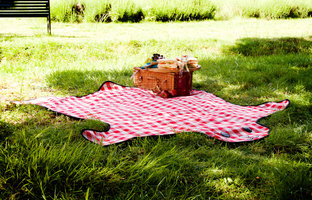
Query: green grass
x,y
44,156
177,10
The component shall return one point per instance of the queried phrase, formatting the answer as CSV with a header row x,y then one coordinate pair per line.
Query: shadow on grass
x,y
252,81
11,36
262,47
1,56
80,83
6,129
256,70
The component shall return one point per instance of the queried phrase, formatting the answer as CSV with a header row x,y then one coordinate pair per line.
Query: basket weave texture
x,y
159,81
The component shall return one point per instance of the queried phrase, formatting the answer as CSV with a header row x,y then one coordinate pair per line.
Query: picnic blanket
x,y
134,112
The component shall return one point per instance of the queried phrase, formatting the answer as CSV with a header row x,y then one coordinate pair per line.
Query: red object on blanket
x,y
134,112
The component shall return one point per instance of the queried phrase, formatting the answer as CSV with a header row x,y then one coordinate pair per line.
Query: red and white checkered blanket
x,y
134,112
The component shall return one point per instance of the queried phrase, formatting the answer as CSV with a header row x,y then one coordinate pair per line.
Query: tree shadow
x,y
6,129
1,56
80,83
275,46
12,36
257,69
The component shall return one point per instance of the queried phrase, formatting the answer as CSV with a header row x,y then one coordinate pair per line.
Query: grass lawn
x,y
244,61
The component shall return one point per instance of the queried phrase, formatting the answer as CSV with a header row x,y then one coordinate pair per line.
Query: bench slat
x,y
25,11
24,1
26,8
19,2
40,11
24,15
37,8
22,6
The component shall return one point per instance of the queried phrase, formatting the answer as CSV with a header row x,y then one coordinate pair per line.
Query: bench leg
x,y
49,24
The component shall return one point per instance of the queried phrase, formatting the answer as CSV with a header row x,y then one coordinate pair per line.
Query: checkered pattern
x,y
134,112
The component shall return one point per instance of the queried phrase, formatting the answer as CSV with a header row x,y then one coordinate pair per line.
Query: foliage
x,y
177,10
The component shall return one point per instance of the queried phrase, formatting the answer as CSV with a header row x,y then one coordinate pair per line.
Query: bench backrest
x,y
26,8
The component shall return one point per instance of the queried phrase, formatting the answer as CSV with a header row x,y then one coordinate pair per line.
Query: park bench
x,y
26,8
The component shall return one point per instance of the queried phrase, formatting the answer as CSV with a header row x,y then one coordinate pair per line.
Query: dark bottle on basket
x,y
184,83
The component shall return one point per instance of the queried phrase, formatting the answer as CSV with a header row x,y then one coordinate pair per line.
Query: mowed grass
x,y
43,155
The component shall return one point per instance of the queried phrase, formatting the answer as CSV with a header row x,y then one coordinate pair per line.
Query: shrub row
x,y
131,11
175,10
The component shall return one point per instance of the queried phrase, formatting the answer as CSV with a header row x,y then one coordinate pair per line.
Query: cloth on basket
x,y
134,112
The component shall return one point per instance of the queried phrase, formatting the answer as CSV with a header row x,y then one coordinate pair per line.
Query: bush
x,y
177,10
128,11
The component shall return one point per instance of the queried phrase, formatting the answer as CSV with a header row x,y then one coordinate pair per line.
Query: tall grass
x,y
177,10
269,9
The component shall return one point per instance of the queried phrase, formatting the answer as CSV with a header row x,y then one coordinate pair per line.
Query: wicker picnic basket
x,y
158,80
